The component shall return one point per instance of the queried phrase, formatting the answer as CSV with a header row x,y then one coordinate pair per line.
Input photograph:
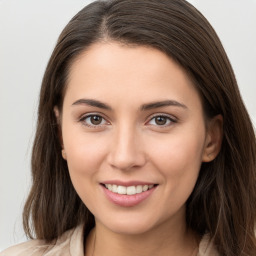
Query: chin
x,y
130,228
130,224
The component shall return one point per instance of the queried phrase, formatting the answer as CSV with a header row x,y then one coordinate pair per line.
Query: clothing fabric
x,y
71,243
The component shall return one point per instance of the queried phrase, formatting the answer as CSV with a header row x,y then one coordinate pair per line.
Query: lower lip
x,y
127,200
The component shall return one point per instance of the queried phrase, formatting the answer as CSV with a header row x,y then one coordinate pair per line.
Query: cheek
x,y
179,166
84,158
82,149
179,150
78,159
179,158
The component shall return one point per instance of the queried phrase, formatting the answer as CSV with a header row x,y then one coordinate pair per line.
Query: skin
x,y
129,144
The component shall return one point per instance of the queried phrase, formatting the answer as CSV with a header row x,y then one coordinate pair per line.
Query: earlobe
x,y
213,138
58,119
64,154
57,114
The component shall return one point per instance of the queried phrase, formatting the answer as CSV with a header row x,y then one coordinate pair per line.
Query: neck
x,y
164,240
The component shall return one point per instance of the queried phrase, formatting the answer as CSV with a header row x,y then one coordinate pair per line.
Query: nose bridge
x,y
126,149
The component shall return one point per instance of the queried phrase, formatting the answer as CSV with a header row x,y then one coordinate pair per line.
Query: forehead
x,y
117,57
128,72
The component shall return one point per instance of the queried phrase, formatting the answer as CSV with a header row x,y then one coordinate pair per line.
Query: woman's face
x,y
133,122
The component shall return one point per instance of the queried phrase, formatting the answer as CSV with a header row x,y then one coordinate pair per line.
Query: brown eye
x,y
96,120
93,121
161,120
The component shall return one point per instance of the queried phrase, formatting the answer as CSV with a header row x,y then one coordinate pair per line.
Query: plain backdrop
x,y
28,33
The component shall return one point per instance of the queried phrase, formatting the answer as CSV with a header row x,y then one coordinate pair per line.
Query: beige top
x,y
71,244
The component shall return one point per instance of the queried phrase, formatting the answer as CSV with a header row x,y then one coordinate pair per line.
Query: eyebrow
x,y
165,103
93,103
144,107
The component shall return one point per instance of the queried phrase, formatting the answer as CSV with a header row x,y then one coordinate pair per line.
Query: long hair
x,y
223,201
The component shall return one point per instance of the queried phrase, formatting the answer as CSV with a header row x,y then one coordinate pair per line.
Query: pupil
x,y
160,120
96,120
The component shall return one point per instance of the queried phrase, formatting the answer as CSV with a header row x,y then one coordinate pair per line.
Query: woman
x,y
143,144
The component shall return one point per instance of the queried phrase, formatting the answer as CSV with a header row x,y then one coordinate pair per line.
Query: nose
x,y
126,151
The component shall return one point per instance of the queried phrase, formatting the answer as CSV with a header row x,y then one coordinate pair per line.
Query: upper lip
x,y
127,183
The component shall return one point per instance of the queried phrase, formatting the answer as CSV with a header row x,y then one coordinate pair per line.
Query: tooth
x,y
131,190
145,188
138,189
114,188
121,190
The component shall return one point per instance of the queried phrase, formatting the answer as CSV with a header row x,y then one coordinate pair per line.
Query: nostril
x,y
125,155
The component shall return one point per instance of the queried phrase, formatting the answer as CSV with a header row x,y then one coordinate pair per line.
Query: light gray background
x,y
28,33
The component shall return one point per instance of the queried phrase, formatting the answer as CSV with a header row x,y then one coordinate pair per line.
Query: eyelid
x,y
83,117
168,116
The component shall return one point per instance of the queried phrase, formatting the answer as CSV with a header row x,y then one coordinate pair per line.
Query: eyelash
x,y
83,120
168,119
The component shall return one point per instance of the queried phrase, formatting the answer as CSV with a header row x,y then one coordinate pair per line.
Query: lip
x,y
127,183
127,200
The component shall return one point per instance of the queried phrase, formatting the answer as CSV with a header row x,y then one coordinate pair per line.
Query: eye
x,y
93,120
161,120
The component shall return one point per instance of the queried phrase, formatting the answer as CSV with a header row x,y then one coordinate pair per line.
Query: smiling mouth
x,y
129,190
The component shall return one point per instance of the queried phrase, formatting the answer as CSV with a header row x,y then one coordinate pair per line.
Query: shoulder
x,y
69,244
206,247
32,248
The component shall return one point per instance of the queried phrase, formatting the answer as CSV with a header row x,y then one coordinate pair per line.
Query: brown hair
x,y
223,201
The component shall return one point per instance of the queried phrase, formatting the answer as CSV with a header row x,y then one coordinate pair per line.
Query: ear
x,y
58,119
57,114
213,139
